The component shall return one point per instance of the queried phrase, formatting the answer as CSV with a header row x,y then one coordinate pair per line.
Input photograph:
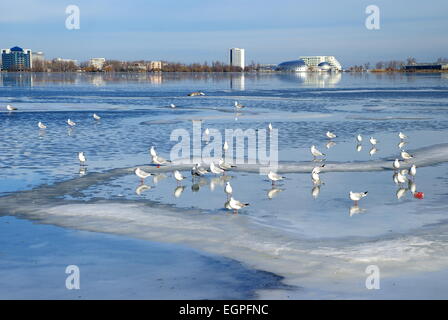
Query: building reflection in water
x,y
237,81
313,79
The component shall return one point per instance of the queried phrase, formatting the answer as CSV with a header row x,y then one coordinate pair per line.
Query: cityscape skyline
x,y
195,32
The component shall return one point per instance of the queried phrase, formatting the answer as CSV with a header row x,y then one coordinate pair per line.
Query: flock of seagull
x,y
400,177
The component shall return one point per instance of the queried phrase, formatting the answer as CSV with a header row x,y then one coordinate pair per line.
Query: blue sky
x,y
200,30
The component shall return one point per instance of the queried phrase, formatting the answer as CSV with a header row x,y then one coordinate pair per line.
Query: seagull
x,y
178,176
359,138
413,170
153,152
82,158
236,205
405,155
198,170
239,105
225,166
207,131
274,177
315,152
142,174
228,189
96,117
41,125
396,164
402,136
71,123
159,161
10,108
173,105
330,135
356,196
270,127
317,169
214,169
373,141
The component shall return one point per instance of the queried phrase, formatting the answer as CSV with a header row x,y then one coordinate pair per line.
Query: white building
x,y
75,62
38,56
314,61
97,63
237,57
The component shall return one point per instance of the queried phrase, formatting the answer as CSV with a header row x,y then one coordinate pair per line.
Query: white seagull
x,y
373,141
10,108
396,164
41,125
225,166
402,136
359,138
178,176
96,117
228,189
173,105
236,205
142,174
82,158
71,123
405,155
274,177
158,160
214,169
270,127
356,196
239,105
198,170
153,152
330,135
315,152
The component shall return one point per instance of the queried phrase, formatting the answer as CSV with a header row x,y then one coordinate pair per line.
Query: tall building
x,y
16,59
155,66
237,57
37,57
314,61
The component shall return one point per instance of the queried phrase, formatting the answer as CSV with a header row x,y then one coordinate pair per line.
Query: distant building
x,y
427,66
97,63
16,59
155,66
292,66
314,61
237,57
75,62
137,67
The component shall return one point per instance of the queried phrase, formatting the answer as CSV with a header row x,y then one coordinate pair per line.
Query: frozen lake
x,y
295,240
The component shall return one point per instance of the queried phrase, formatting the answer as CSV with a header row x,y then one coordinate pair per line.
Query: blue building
x,y
16,59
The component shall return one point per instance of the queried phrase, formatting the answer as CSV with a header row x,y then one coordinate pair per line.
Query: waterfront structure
x,y
314,61
324,66
237,57
16,59
97,63
427,66
37,56
155,66
75,62
292,66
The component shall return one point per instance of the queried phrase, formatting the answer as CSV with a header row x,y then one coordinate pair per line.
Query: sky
x,y
204,30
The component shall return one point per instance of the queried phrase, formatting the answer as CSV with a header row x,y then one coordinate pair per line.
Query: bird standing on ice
x,y
315,152
238,105
41,125
10,108
71,123
405,155
228,189
236,205
274,177
82,158
356,196
359,138
402,136
142,174
330,135
214,169
373,141
96,117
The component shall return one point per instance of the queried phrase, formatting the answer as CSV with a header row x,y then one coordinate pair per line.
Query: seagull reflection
x,y
82,171
141,188
158,177
42,132
70,131
201,182
315,191
412,186
178,191
373,151
358,147
400,193
330,144
402,144
356,210
272,193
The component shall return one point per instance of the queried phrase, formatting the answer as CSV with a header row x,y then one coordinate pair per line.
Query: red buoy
x,y
419,195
